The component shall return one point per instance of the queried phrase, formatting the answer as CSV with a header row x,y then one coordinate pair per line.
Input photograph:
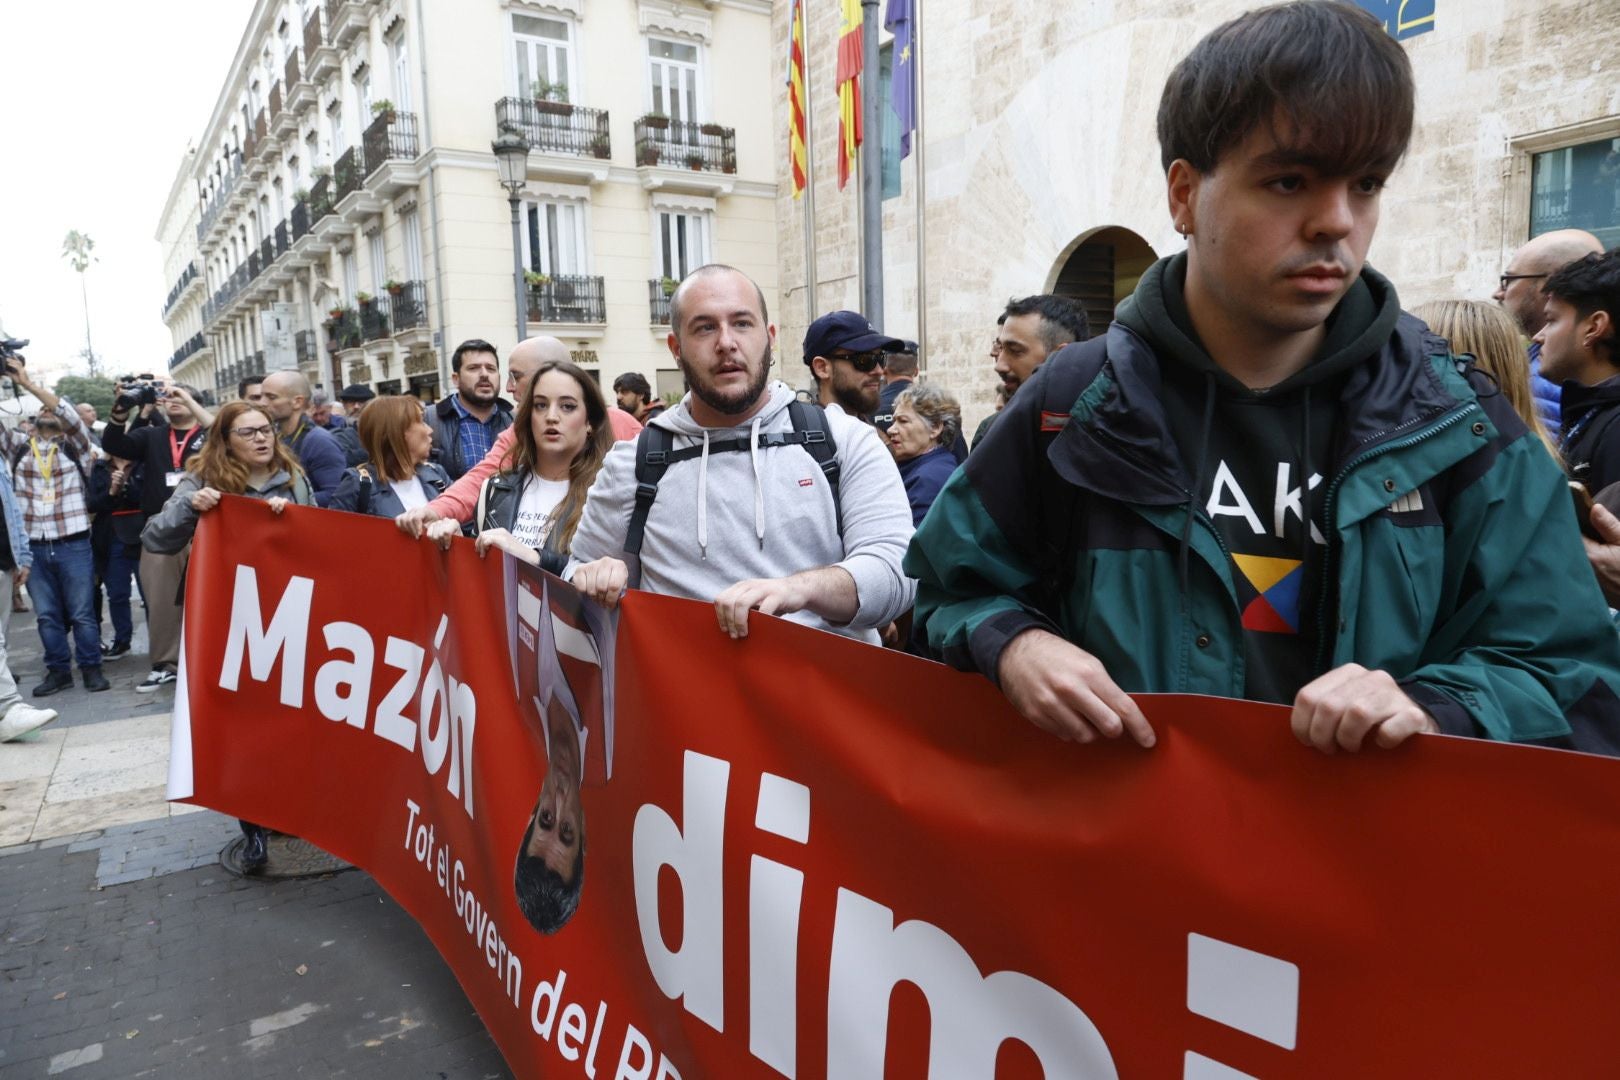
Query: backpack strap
x,y
652,459
1057,508
810,430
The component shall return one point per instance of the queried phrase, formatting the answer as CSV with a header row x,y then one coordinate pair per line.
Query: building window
x,y
544,57
340,141
557,238
378,259
399,60
411,236
351,276
362,87
673,69
1577,187
683,243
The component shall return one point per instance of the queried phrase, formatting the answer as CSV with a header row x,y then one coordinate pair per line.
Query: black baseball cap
x,y
846,330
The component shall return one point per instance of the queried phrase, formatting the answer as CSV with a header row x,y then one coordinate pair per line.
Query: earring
x,y
1181,227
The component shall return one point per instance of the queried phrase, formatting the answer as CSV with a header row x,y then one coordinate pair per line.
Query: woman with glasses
x,y
926,423
396,475
531,508
241,456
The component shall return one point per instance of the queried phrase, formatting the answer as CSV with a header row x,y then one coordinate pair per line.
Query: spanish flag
x,y
849,88
796,117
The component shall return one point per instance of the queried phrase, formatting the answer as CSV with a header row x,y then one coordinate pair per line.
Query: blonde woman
x,y
1491,337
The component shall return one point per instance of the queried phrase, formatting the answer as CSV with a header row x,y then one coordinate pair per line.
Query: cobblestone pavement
x,y
126,950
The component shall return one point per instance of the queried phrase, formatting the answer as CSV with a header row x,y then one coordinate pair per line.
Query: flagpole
x,y
871,168
919,147
809,173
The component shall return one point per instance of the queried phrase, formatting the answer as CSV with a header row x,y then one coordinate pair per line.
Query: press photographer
x,y
165,435
49,472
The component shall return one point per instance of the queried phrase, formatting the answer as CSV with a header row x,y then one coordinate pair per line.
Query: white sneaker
x,y
152,682
22,718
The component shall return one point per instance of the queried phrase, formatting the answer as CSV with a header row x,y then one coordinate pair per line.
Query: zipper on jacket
x,y
1329,567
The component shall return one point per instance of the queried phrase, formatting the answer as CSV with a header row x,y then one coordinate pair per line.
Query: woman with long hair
x,y
531,508
1490,335
396,475
241,456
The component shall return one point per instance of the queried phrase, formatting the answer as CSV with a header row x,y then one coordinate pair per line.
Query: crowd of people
x,y
1263,480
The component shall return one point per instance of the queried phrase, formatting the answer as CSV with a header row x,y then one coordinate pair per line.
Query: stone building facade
x,y
1043,169
343,212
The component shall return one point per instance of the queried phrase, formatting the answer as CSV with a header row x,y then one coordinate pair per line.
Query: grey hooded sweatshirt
x,y
763,513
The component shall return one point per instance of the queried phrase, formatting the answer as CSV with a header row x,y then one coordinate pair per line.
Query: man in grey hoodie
x,y
757,530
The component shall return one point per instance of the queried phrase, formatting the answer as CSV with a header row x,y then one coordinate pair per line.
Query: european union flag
x,y
903,83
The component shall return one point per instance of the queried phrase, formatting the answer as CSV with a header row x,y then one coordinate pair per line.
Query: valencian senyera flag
x,y
897,19
849,88
796,118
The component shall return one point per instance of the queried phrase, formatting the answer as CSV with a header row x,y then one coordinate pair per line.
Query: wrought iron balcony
x,y
568,298
346,175
283,238
304,346
300,220
320,198
343,328
275,101
556,127
186,277
391,136
290,74
658,300
254,265
408,306
374,319
267,253
214,207
677,144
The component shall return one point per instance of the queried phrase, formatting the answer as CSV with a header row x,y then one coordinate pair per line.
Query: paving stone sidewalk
x,y
126,950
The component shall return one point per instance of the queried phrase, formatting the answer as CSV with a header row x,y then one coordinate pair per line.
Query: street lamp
x,y
512,160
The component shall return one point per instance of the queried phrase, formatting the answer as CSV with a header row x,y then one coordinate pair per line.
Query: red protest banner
x,y
797,855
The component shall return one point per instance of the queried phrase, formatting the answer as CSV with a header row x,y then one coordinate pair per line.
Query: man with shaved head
x,y
1519,291
285,400
461,498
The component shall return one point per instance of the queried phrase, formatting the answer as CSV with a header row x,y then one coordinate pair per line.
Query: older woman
x,y
1491,336
242,456
397,475
926,423
531,508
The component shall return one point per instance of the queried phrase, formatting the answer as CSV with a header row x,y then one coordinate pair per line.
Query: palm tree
x,y
76,250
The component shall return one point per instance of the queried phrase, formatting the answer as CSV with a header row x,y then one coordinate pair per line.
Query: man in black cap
x,y
354,399
846,356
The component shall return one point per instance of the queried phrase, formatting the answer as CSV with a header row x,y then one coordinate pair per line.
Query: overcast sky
x,y
100,100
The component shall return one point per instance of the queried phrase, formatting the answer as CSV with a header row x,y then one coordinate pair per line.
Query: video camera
x,y
138,390
8,352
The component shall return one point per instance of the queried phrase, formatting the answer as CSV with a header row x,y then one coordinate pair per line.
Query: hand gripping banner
x,y
647,850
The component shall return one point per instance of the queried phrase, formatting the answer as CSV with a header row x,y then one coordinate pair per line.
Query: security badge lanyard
x,y
47,466
177,454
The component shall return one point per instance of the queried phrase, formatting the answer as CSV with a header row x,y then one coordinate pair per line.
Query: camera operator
x,y
48,471
163,437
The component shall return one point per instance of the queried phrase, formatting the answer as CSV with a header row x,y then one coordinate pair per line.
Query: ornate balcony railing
x,y
556,127
304,346
391,136
343,328
568,298
314,31
677,144
300,220
283,237
186,277
374,318
407,308
267,253
291,73
346,175
275,101
658,301
320,198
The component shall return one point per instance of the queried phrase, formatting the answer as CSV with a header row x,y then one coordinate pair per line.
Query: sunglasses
x,y
866,361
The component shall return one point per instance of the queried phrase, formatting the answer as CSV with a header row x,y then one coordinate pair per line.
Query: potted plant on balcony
x,y
334,315
385,109
301,195
694,160
655,121
365,299
646,154
321,172
728,161
394,287
712,129
550,97
535,280
601,147
669,285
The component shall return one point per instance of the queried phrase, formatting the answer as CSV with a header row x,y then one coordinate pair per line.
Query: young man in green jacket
x,y
1267,481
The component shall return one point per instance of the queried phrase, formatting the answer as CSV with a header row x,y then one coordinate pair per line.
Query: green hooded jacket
x,y
1453,561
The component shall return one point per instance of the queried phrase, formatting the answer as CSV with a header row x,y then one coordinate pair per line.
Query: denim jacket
x,y
21,553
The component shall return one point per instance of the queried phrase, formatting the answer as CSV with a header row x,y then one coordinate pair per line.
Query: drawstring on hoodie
x,y
703,498
1198,476
759,490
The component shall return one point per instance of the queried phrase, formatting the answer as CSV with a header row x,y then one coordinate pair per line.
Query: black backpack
x,y
654,454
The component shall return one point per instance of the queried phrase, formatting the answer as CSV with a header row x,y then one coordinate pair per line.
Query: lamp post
x,y
512,159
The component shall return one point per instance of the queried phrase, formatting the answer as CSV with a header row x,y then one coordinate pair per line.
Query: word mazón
x,y
446,709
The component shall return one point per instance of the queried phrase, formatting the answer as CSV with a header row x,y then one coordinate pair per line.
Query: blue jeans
x,y
122,566
63,585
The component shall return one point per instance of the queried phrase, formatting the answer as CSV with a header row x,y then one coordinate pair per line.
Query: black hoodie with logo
x,y
1249,452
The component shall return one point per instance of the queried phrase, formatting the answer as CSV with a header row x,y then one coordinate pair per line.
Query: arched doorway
x,y
1101,270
